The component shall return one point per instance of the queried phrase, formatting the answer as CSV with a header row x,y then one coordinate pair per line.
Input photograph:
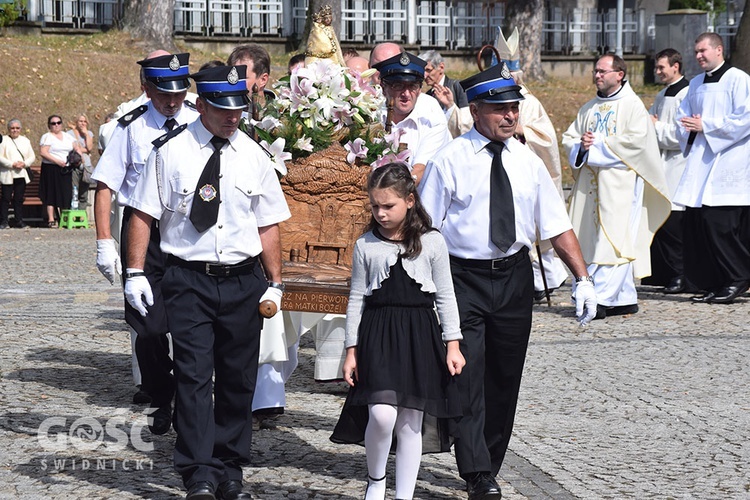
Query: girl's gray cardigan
x,y
373,258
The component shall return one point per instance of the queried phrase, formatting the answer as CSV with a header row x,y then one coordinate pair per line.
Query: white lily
x,y
278,155
304,143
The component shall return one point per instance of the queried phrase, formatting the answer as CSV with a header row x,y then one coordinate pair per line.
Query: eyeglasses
x,y
400,87
55,123
604,71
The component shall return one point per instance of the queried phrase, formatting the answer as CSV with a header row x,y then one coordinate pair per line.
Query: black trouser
x,y
666,251
15,191
151,344
495,307
215,329
717,246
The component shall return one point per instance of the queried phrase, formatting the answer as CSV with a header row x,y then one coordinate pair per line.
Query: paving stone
x,y
652,405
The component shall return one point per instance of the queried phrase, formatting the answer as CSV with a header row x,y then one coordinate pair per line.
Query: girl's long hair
x,y
397,176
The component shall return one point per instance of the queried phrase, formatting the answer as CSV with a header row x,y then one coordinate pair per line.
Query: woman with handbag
x,y
16,157
55,182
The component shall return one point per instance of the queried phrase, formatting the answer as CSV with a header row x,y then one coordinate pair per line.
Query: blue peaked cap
x,y
494,84
223,86
169,73
402,67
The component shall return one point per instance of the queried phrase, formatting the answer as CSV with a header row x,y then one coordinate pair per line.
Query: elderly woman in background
x,y
55,183
16,154
81,176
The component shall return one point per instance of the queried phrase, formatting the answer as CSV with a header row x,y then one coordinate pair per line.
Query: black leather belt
x,y
495,264
211,269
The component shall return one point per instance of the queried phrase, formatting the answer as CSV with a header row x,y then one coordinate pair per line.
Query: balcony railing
x,y
449,24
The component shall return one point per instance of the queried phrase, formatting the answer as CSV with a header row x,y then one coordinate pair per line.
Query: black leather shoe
x,y
482,486
141,397
705,298
620,310
676,285
232,490
160,420
601,312
727,294
202,490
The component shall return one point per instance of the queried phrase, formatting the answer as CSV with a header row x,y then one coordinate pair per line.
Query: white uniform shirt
x,y
122,162
455,191
717,172
251,196
425,130
107,129
665,107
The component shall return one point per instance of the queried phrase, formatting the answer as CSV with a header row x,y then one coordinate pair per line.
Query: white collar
x,y
676,81
711,73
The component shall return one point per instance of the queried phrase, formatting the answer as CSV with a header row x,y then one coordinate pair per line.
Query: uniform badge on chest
x,y
208,192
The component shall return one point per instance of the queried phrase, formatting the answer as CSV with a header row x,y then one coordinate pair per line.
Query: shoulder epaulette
x,y
128,118
189,104
162,140
257,141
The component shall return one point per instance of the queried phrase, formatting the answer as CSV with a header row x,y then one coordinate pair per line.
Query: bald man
x,y
380,53
358,64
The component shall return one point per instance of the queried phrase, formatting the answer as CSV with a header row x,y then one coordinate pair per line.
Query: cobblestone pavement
x,y
655,405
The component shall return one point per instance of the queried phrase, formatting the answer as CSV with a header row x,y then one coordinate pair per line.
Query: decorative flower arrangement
x,y
323,103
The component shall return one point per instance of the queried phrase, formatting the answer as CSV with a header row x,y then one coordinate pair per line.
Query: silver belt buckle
x,y
218,273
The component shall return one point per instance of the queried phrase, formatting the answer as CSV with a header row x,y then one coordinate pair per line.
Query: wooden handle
x,y
267,309
481,51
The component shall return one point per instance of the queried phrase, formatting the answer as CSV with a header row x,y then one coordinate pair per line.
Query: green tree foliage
x,y
10,10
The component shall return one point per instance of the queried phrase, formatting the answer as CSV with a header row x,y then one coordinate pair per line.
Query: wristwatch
x,y
585,278
280,286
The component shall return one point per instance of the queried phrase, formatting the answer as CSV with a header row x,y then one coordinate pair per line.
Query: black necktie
x,y
205,209
170,123
502,213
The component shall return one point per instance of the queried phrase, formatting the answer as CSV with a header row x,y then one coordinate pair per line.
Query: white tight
x,y
406,424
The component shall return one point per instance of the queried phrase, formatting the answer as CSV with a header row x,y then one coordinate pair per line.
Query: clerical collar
x,y
713,71
682,78
674,88
717,73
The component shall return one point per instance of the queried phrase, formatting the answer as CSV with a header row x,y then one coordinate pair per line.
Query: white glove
x,y
274,295
108,260
137,289
585,297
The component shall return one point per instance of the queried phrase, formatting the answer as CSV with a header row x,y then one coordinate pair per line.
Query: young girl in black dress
x,y
400,361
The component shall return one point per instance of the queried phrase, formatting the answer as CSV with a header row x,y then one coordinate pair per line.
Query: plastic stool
x,y
74,218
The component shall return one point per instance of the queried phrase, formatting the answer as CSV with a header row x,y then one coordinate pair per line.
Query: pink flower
x,y
402,157
357,149
394,138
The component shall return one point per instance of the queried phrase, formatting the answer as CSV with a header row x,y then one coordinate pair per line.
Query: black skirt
x,y
401,362
55,187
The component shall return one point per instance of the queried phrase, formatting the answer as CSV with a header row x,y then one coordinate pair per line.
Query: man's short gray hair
x,y
12,121
431,57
